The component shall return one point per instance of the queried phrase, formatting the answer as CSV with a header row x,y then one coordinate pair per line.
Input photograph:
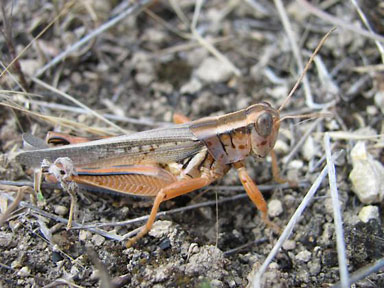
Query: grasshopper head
x,y
264,123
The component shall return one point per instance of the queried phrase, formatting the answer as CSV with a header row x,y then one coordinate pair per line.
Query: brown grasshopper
x,y
167,162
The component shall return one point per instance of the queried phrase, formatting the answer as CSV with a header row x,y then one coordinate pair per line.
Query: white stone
x,y
289,245
275,208
369,212
379,100
367,175
29,66
160,228
273,265
144,79
214,70
191,87
303,256
296,164
281,147
24,272
98,239
372,110
61,210
279,92
84,235
310,149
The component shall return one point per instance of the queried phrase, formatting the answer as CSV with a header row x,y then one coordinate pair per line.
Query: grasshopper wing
x,y
163,145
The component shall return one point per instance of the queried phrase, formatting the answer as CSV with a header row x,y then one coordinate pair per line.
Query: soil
x,y
140,72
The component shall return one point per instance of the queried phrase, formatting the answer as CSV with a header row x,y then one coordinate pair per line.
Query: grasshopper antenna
x,y
306,116
306,68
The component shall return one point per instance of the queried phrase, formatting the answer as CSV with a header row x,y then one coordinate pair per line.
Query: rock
x,y
216,283
144,79
29,66
310,148
6,239
209,261
24,272
314,267
296,164
160,228
281,147
303,256
213,70
369,212
275,208
372,110
98,239
289,245
379,100
367,175
84,235
61,210
191,87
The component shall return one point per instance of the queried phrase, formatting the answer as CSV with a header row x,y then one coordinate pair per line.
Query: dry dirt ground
x,y
175,56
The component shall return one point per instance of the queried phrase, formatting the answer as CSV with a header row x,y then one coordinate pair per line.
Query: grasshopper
x,y
165,163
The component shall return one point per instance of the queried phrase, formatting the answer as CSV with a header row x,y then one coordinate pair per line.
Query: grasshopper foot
x,y
132,241
271,225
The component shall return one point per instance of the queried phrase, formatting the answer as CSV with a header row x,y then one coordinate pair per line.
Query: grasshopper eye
x,y
264,124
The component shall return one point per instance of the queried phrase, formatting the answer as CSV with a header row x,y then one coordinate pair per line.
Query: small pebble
x,y
191,87
289,200
98,239
379,100
367,175
213,70
84,235
160,228
61,210
231,283
369,212
16,264
74,272
193,249
278,92
144,79
275,208
328,205
95,275
372,110
273,265
29,66
281,147
296,164
5,239
310,149
289,245
216,283
303,256
314,268
24,272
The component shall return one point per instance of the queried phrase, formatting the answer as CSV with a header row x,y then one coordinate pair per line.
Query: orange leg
x,y
255,195
275,169
171,191
276,172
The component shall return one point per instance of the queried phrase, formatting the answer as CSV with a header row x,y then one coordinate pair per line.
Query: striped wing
x,y
163,145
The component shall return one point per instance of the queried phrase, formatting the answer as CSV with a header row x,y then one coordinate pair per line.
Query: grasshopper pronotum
x,y
168,162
